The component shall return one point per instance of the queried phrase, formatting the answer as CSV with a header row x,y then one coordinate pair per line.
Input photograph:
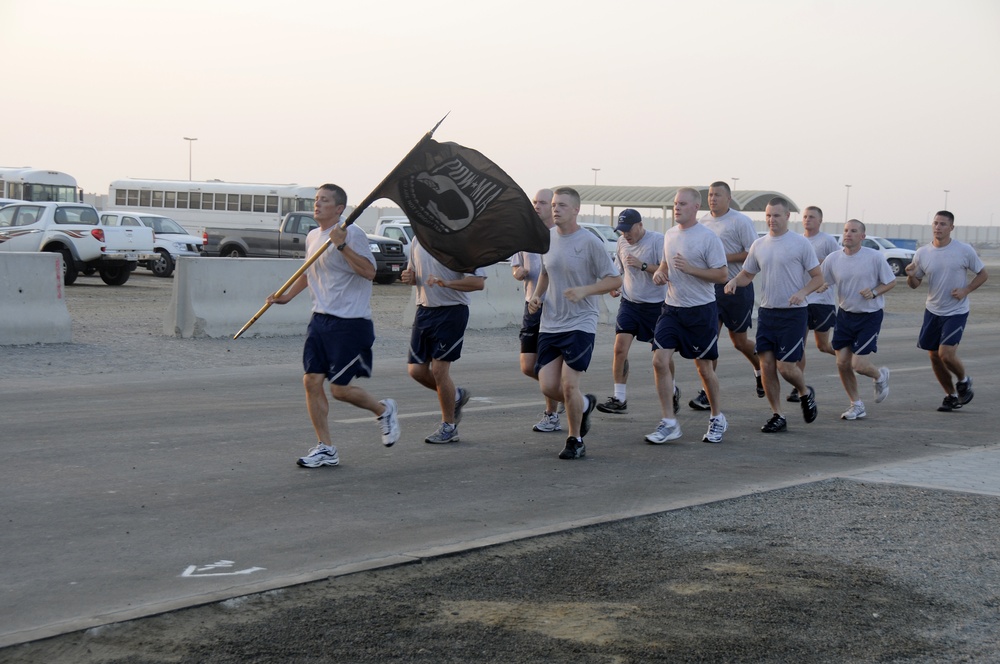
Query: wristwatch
x,y
643,268
340,247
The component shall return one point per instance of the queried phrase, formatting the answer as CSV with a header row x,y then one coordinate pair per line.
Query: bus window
x,y
144,198
170,199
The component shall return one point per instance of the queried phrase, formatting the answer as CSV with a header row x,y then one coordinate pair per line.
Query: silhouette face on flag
x,y
464,209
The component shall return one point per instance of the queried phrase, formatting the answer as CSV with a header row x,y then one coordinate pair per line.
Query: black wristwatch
x,y
340,247
643,267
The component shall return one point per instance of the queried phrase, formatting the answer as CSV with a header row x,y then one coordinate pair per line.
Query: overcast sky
x,y
899,99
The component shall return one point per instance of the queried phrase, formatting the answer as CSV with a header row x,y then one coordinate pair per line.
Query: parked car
x,y
396,228
606,234
897,258
8,201
289,241
171,239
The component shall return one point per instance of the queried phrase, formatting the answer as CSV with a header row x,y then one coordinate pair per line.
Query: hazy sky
x,y
899,99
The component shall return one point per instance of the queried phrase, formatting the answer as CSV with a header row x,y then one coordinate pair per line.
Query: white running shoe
x,y
321,455
716,427
388,422
882,385
664,432
548,423
855,412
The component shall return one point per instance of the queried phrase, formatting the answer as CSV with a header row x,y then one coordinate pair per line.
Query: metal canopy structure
x,y
662,198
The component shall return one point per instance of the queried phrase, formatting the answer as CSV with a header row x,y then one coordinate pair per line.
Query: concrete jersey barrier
x,y
215,297
32,300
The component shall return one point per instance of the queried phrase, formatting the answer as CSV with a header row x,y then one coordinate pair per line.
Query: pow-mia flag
x,y
464,209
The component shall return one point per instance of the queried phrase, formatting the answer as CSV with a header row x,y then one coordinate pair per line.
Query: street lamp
x,y
946,198
847,205
190,141
734,183
593,209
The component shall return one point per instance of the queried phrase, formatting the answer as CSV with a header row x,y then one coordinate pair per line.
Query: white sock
x,y
620,391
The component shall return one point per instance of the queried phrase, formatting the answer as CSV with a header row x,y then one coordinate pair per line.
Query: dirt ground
x,y
836,571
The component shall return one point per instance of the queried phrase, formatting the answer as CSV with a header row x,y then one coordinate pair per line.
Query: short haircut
x,y
946,214
820,212
778,200
567,191
695,194
855,221
723,185
339,195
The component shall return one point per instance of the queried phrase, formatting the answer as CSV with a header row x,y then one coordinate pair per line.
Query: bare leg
x,y
663,375
318,406
769,376
710,381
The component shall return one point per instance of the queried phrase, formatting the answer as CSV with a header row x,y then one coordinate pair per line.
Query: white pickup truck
x,y
73,230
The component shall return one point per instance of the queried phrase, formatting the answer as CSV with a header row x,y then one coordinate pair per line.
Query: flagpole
x,y
371,198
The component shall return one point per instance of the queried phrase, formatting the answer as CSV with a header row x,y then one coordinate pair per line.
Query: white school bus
x,y
197,205
38,185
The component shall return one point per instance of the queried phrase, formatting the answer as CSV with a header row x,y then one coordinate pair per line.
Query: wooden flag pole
x,y
372,197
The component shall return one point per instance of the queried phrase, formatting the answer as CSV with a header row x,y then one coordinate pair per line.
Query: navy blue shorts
x,y
821,317
691,331
340,348
782,332
575,349
941,330
529,330
438,333
638,318
859,331
736,310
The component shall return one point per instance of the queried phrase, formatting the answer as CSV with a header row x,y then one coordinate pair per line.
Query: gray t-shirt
x,y
533,264
424,265
638,286
783,263
574,260
701,248
946,269
852,274
737,233
824,244
335,287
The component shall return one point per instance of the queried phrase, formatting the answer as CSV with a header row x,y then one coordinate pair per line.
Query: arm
x,y
358,262
977,281
739,281
600,287
715,275
300,285
912,280
799,296
543,285
662,273
466,284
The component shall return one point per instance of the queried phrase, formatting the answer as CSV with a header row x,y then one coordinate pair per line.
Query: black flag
x,y
466,211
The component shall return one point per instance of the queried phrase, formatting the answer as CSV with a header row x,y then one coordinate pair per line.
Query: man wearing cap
x,y
638,255
736,309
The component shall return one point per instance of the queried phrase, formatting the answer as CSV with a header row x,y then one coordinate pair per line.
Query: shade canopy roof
x,y
749,200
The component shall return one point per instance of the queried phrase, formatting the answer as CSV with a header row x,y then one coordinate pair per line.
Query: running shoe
x,y
716,427
463,398
321,455
949,404
808,403
855,412
965,392
677,398
775,424
575,449
793,396
881,385
700,402
588,407
388,422
446,433
760,387
664,432
548,423
613,405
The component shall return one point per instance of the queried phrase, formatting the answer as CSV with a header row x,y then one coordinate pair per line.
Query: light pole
x,y
946,198
190,141
593,209
734,183
847,205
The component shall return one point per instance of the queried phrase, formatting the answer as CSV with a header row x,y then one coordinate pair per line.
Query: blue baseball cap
x,y
627,219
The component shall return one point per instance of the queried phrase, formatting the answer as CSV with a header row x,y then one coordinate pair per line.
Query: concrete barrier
x,y
215,297
501,302
32,300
